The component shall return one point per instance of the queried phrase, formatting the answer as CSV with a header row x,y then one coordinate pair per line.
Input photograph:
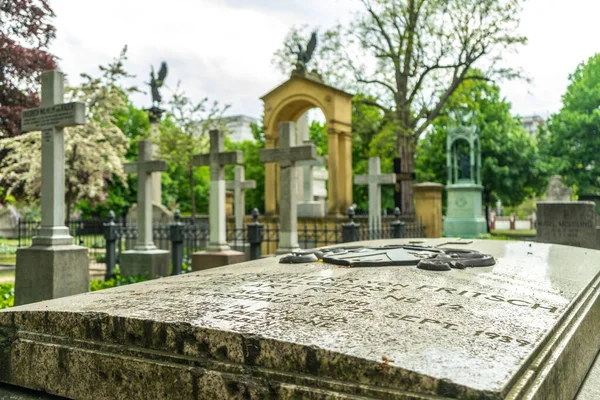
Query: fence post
x,y
397,225
110,236
176,233
256,234
350,230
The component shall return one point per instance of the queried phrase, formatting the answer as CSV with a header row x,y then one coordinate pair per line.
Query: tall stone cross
x,y
144,168
51,118
217,159
375,179
287,155
239,186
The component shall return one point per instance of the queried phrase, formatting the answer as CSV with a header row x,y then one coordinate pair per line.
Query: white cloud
x,y
223,48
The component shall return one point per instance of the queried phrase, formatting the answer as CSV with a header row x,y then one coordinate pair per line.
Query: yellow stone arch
x,y
290,101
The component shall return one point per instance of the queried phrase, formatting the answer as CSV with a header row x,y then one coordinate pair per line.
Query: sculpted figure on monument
x,y
156,82
304,55
465,166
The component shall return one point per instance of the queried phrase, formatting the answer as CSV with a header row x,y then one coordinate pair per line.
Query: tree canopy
x,y
573,137
25,32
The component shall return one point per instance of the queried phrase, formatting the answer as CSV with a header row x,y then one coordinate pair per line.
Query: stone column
x,y
428,205
345,178
270,189
333,197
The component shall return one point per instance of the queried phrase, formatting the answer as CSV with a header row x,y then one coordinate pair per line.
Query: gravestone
x,y
287,155
568,223
374,180
52,267
239,187
314,191
557,191
218,252
145,258
522,328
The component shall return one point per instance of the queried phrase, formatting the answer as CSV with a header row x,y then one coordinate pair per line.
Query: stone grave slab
x,y
525,327
568,223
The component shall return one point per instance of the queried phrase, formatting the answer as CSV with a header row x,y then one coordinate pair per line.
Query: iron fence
x,y
312,232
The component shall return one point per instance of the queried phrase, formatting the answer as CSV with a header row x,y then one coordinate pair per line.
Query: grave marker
x,y
287,155
239,187
145,258
375,179
218,252
52,267
568,223
520,329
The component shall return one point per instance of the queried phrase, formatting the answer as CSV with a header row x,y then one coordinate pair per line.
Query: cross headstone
x,y
375,179
52,267
239,186
51,118
144,168
314,193
217,159
287,155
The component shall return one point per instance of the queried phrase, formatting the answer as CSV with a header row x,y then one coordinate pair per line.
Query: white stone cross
x,y
144,168
287,155
217,158
51,118
239,186
375,179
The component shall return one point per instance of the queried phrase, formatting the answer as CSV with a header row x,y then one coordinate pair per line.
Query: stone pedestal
x,y
428,205
464,217
49,272
310,209
151,263
212,259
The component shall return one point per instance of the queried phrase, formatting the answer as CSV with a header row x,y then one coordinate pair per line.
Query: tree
x,y
94,153
512,169
186,134
410,56
572,140
25,32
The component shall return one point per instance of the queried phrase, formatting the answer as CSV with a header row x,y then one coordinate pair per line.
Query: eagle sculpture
x,y
304,56
156,82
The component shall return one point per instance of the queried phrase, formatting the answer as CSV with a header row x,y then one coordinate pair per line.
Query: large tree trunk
x,y
406,152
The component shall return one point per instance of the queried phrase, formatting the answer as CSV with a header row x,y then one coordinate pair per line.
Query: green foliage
x,y
512,169
572,140
6,249
116,281
7,295
317,133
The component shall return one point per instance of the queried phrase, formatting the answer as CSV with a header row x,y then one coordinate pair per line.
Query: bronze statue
x,y
304,56
156,82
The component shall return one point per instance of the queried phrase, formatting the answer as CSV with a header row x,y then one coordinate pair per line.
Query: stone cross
x,y
144,168
375,179
217,159
51,118
287,155
239,186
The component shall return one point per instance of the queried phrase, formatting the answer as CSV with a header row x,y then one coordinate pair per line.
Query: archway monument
x,y
288,102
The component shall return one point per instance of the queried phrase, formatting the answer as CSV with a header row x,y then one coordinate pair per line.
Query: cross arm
x,y
291,154
232,185
56,116
131,168
227,158
147,166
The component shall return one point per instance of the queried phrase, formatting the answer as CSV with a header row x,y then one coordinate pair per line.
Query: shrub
x,y
7,295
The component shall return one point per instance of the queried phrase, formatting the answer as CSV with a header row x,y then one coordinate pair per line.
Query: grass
x,y
531,232
9,242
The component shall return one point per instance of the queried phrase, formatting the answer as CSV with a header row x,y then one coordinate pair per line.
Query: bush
x,y
6,249
115,281
7,295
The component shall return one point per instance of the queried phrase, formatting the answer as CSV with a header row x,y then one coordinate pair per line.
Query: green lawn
x,y
9,242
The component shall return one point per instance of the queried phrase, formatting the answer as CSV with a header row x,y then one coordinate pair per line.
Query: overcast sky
x,y
223,48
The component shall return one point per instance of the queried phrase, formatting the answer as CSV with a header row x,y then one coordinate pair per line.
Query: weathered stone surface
x,y
568,223
48,272
524,328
